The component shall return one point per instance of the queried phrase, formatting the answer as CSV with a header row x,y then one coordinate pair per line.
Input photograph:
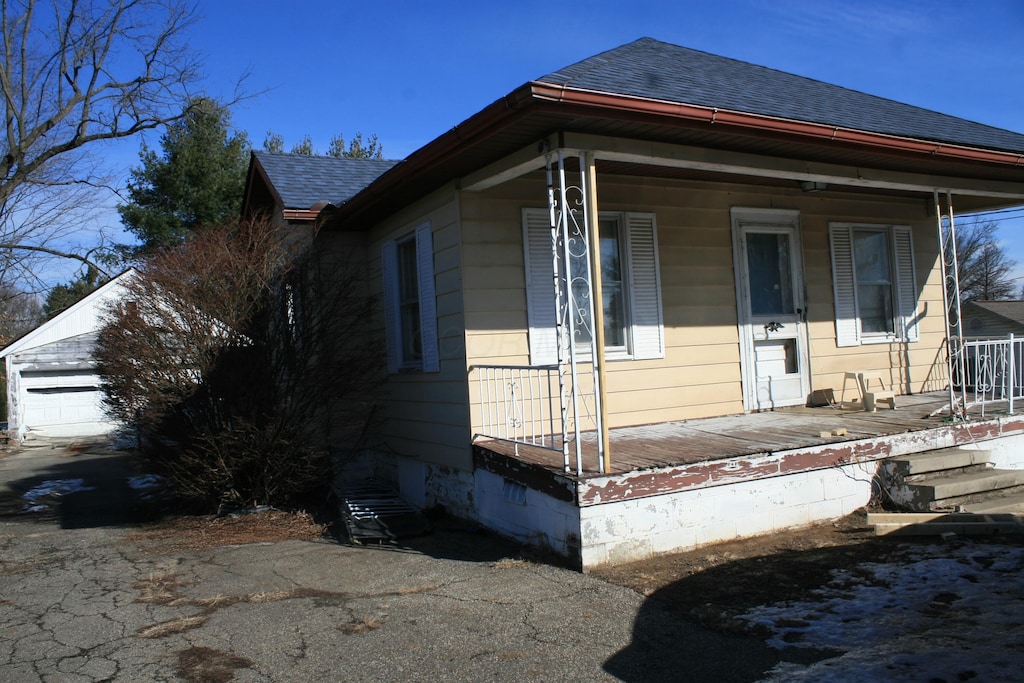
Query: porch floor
x,y
701,440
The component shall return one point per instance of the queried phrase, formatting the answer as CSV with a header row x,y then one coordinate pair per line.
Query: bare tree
x,y
985,270
73,75
222,352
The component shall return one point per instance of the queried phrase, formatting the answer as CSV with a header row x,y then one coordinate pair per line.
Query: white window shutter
x,y
540,287
389,274
428,300
844,286
906,283
645,287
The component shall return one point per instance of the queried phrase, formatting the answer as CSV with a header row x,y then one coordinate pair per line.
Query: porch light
x,y
812,186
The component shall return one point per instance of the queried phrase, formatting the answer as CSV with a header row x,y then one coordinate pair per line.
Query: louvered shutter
x,y
428,301
906,283
844,286
540,287
389,274
645,287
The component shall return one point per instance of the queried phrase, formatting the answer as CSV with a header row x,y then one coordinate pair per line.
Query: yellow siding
x,y
426,415
700,374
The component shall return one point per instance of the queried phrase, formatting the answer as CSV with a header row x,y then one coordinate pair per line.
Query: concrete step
x,y
966,487
935,461
1008,504
942,524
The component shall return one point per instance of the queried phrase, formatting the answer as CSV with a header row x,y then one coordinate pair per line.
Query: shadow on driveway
x,y
78,490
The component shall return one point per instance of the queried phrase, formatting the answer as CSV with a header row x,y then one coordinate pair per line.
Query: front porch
x,y
679,485
718,450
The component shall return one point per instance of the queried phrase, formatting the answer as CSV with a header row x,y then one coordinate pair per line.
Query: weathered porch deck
x,y
676,456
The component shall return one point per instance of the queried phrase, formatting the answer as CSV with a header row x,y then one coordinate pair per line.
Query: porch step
x,y
935,461
1007,504
948,491
942,524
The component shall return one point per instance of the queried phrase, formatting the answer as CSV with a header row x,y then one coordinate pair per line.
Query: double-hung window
x,y
873,283
410,315
629,282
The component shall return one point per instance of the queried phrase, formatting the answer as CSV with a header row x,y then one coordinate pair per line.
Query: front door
x,y
770,306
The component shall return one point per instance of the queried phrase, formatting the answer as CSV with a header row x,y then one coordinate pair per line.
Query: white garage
x,y
53,390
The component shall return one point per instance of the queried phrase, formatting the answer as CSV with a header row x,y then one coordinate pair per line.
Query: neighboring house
x,y
993,318
760,236
53,390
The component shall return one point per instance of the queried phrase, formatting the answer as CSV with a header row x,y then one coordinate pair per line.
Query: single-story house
x,y
53,390
607,298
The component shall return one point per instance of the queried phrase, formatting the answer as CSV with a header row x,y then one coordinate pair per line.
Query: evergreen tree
x,y
62,297
197,179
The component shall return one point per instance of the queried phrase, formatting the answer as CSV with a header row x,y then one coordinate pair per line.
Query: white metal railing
x,y
993,371
521,404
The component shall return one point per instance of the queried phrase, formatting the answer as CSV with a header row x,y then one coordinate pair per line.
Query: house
x,y
993,318
53,390
607,297
292,188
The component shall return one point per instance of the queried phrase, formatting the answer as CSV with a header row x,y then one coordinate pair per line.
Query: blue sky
x,y
409,71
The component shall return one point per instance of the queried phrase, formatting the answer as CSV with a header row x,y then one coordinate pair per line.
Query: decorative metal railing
x,y
988,371
521,404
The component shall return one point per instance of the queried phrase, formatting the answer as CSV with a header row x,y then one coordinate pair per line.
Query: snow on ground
x,y
52,487
948,612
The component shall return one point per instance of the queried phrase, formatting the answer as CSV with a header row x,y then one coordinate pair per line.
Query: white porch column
x,y
588,168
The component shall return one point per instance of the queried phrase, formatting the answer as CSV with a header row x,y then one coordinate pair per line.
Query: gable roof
x,y
1012,311
300,181
657,92
73,321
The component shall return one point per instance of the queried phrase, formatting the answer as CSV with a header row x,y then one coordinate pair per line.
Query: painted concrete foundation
x,y
617,531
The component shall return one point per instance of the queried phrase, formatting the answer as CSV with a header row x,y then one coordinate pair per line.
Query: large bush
x,y
230,355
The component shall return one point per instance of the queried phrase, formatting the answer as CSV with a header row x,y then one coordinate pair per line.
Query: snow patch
x,y
946,612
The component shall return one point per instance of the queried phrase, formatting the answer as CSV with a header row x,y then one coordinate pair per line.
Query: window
x,y
873,282
629,282
410,309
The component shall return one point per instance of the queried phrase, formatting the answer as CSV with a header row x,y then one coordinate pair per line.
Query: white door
x,y
770,307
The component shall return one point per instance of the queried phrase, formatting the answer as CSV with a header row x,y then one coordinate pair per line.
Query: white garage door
x,y
65,411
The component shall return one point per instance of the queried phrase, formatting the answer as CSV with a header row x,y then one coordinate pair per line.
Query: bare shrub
x,y
222,353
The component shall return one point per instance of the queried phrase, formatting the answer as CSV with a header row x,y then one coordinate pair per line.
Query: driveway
x,y
84,597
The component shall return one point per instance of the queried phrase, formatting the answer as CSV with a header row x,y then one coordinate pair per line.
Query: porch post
x,y
593,222
951,299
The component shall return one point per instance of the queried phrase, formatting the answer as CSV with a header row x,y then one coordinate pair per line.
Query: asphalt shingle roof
x,y
1011,310
653,69
303,180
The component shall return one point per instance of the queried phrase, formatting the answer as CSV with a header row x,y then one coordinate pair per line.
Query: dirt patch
x,y
184,533
716,583
206,665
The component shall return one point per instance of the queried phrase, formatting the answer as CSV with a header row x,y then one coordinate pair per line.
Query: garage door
x,y
65,411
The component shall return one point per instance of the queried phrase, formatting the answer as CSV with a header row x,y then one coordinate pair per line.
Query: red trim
x,y
589,98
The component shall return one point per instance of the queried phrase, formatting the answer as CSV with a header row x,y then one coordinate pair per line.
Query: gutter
x,y
627,103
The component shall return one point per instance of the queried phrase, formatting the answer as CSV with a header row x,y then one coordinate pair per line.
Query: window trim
x,y
904,292
644,333
429,360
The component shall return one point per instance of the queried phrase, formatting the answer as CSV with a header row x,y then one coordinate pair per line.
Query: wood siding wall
x,y
700,374
425,415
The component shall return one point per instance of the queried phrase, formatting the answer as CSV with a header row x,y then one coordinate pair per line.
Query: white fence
x,y
993,371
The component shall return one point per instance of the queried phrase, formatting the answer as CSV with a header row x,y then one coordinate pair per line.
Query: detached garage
x,y
53,390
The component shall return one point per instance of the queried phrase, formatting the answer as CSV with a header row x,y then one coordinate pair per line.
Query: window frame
x,y
902,285
396,302
643,328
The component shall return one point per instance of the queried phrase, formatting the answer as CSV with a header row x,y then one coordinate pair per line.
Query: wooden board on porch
x,y
719,438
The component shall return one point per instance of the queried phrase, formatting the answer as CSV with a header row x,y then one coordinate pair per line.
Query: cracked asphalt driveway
x,y
81,599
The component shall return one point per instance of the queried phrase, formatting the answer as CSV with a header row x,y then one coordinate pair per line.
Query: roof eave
x,y
537,93
760,122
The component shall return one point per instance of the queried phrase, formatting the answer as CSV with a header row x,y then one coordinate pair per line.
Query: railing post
x,y
1012,374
